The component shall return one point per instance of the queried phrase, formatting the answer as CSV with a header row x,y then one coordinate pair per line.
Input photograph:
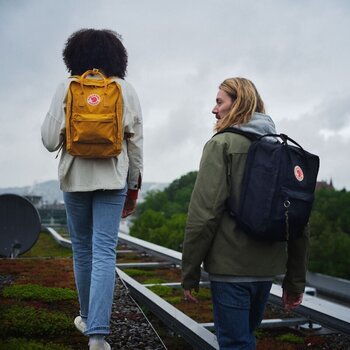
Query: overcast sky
x,y
297,52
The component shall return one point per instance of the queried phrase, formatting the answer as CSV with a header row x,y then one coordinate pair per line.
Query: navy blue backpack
x,y
277,189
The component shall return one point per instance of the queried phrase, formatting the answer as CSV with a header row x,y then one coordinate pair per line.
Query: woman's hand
x,y
290,300
129,207
189,297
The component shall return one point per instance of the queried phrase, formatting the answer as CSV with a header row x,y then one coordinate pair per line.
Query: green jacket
x,y
212,236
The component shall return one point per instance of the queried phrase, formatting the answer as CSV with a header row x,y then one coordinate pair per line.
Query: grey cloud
x,y
296,52
331,150
334,113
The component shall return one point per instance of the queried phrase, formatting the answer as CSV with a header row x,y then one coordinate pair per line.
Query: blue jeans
x,y
93,221
238,311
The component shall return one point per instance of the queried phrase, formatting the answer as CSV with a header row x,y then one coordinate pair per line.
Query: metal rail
x,y
271,323
328,314
154,249
333,287
314,309
58,238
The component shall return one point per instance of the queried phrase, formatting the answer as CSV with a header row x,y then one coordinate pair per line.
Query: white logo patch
x,y
93,100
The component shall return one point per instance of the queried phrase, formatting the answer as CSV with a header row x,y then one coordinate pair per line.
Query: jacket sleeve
x,y
134,134
205,211
52,128
298,256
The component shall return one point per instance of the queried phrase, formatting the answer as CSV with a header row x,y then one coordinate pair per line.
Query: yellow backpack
x,y
94,117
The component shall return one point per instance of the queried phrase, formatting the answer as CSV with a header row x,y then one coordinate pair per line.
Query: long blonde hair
x,y
246,100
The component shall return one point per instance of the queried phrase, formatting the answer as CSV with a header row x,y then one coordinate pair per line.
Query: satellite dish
x,y
19,225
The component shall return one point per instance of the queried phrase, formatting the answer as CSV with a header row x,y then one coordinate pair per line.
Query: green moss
x,y
259,334
34,291
174,300
162,291
24,344
137,272
46,246
154,281
290,338
203,294
29,322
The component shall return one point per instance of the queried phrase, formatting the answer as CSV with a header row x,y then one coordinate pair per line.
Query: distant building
x,y
36,200
50,214
324,185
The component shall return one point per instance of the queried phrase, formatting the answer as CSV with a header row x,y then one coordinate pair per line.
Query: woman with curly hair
x,y
97,191
240,268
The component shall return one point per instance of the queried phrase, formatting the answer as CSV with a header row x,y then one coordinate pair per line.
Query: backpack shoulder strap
x,y
249,135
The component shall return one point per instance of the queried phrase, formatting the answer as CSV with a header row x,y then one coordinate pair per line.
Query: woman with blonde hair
x,y
240,268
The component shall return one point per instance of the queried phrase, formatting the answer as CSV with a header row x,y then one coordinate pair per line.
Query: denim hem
x,y
97,330
84,318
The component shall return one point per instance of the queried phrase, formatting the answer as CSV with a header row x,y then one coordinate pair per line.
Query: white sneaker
x,y
100,345
79,324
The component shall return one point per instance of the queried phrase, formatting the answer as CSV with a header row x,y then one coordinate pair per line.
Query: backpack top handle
x,y
93,71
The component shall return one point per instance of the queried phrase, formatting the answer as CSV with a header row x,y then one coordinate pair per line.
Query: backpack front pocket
x,y
93,128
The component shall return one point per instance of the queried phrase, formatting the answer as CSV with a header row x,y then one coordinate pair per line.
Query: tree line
x,y
161,219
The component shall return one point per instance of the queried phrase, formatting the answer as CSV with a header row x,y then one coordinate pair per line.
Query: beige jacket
x,y
79,174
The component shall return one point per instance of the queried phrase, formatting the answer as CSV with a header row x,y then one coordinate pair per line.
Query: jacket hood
x,y
260,124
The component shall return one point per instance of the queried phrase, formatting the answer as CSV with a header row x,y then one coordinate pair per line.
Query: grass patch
x,y
162,291
259,333
290,338
137,272
154,281
28,322
174,300
203,294
46,246
34,291
24,344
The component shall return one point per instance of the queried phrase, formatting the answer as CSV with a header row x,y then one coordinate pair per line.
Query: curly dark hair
x,y
93,48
